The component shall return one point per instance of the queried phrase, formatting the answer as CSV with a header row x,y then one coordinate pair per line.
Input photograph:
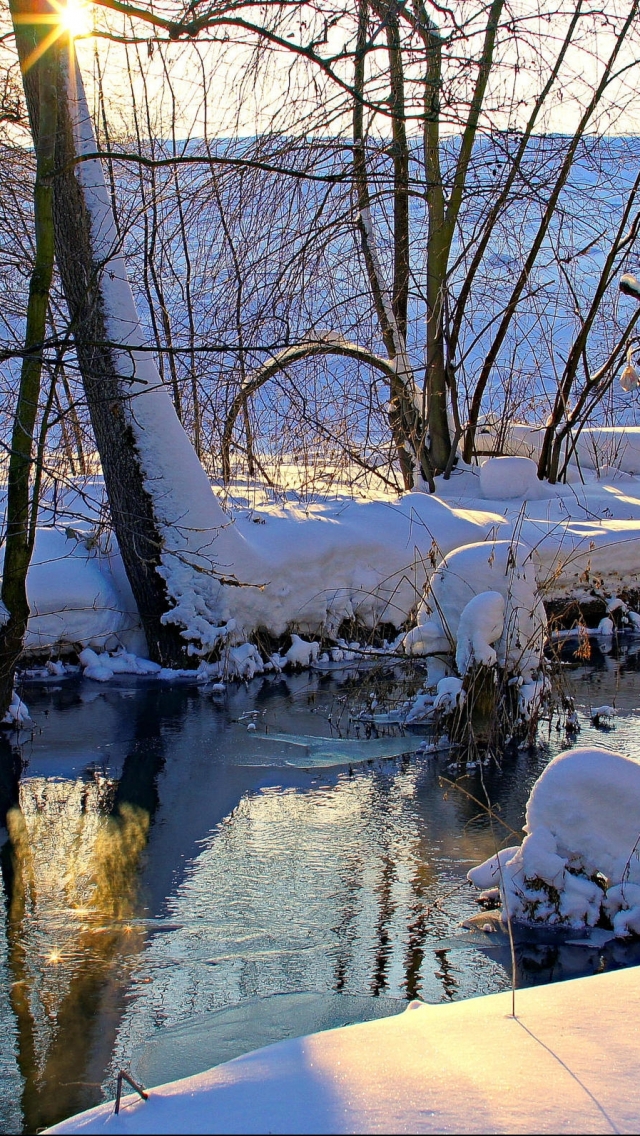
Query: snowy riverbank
x,y
566,1063
334,559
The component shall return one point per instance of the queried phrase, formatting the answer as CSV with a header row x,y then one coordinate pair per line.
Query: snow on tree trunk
x,y
199,546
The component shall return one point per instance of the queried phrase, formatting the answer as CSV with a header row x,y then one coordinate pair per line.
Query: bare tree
x,y
22,496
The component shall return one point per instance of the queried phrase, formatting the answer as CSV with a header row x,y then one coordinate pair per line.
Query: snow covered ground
x,y
566,1063
315,564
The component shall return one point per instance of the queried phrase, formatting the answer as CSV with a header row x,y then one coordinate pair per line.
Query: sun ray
x,y
36,18
43,46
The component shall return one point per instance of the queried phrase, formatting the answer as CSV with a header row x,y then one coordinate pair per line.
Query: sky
x,y
222,89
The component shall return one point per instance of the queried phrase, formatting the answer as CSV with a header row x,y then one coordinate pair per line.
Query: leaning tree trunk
x,y
21,504
170,528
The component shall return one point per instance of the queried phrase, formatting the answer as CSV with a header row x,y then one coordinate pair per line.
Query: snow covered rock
x,y
580,859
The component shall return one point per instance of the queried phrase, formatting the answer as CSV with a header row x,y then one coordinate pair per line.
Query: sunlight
x,y
75,17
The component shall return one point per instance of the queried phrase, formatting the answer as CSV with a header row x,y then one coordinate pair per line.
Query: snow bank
x,y
579,863
333,561
599,448
566,1063
73,597
343,559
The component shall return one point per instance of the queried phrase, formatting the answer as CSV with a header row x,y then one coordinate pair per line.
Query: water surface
x,y
178,889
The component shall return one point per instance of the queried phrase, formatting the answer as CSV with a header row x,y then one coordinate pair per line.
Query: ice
x,y
209,1039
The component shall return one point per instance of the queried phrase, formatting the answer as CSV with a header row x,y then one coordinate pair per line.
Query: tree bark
x,y
152,520
22,506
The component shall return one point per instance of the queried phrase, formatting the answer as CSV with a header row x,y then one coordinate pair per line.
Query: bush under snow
x,y
579,864
482,573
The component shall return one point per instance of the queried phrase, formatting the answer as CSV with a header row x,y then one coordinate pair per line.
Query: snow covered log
x,y
579,864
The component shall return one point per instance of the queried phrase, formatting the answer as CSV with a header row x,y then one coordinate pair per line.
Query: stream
x,y
189,877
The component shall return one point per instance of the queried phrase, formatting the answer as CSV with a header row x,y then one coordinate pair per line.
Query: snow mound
x,y
502,568
73,597
579,863
18,712
481,624
103,667
505,478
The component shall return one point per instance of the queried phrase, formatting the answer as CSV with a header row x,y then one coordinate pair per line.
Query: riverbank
x,y
566,1063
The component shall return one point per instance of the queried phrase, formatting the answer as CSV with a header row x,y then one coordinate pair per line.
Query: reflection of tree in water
x,y
422,881
71,878
446,974
386,908
346,928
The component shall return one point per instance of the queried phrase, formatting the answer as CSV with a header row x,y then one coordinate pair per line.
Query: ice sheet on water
x,y
209,1039
306,751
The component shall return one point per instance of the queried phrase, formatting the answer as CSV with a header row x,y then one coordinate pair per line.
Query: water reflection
x,y
152,875
73,855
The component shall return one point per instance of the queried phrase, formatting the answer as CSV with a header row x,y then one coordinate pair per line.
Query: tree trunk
x,y
170,528
21,504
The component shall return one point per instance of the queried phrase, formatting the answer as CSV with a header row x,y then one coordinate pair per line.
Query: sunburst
x,y
72,19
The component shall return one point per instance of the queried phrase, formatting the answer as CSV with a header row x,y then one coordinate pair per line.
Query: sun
x,y
72,19
75,17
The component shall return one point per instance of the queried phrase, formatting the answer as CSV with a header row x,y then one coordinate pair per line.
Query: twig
x,y
123,1076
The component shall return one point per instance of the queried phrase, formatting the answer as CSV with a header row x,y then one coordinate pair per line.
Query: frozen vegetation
x,y
579,864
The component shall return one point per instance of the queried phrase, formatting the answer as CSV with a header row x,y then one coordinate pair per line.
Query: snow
x,y
510,477
579,861
474,590
199,542
566,1063
18,712
340,558
449,693
104,666
481,624
72,594
600,448
301,653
